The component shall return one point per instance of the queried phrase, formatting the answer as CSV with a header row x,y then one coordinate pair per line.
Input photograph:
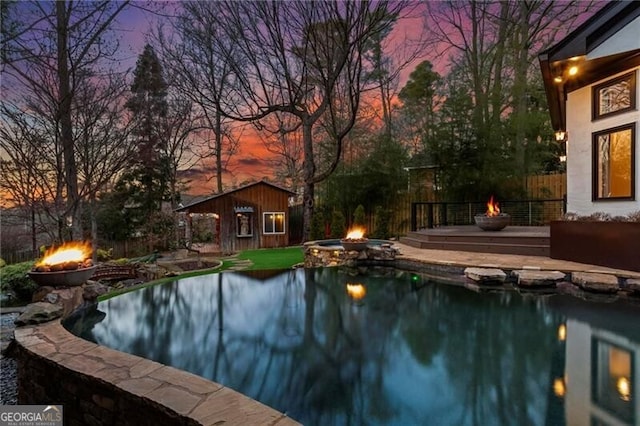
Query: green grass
x,y
279,258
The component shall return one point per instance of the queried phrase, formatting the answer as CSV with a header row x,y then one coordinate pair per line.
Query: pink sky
x,y
249,163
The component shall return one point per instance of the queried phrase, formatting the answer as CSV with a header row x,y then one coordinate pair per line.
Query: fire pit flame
x,y
72,251
355,239
493,208
355,234
67,265
493,219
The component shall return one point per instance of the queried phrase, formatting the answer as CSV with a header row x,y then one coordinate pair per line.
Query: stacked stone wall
x,y
99,386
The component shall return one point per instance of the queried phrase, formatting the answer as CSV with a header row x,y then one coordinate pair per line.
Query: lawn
x,y
278,258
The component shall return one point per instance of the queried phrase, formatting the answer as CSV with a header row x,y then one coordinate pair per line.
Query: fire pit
x,y
67,265
355,240
493,219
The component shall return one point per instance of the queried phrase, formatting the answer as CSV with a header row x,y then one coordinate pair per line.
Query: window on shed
x,y
273,222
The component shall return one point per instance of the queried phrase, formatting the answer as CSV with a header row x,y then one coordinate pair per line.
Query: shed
x,y
249,217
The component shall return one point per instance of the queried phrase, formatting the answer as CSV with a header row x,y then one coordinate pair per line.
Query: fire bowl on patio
x,y
67,265
355,240
492,223
62,278
354,244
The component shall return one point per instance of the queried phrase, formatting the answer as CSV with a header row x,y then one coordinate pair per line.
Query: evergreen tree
x,y
146,183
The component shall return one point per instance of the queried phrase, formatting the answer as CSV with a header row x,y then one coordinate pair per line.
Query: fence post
x,y
443,215
414,217
430,215
529,213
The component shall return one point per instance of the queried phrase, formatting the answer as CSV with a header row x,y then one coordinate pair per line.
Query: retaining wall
x,y
100,386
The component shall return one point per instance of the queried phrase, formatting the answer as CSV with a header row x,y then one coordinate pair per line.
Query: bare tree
x,y
291,58
495,43
61,46
281,135
203,75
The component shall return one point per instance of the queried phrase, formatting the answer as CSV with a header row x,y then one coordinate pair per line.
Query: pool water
x,y
401,349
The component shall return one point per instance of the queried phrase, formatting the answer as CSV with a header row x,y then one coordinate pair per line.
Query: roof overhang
x,y
576,50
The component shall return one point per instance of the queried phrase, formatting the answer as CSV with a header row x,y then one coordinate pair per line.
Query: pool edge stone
x,y
116,387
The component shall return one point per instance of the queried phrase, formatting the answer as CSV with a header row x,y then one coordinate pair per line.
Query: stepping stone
x,y
531,278
486,275
596,282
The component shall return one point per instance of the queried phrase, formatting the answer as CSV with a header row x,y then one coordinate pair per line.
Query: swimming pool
x,y
399,349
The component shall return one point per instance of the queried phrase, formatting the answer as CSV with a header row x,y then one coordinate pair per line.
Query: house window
x,y
614,96
614,163
613,375
273,223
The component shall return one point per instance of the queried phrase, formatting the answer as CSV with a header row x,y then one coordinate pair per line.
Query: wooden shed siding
x,y
263,198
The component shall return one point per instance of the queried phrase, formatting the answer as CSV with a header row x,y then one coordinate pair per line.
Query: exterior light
x,y
560,135
557,79
573,70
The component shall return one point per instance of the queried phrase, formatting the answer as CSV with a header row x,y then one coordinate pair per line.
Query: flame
x,y
356,291
355,233
73,251
493,208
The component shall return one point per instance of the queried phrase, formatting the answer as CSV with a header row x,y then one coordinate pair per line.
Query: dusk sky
x,y
251,162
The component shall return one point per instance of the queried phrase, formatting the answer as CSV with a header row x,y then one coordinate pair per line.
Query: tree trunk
x,y
218,133
520,86
308,173
94,230
64,113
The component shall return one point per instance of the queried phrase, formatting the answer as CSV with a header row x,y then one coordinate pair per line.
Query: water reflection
x,y
400,350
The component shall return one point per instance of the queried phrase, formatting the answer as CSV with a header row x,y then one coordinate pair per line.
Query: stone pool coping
x,y
104,383
158,393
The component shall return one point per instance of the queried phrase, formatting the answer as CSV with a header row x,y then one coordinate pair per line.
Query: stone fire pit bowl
x,y
492,223
70,278
354,245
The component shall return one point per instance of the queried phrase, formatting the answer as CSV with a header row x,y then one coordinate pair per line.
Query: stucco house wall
x,y
580,128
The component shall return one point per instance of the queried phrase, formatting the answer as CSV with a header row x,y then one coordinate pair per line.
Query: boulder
x,y
92,291
531,278
486,275
39,312
596,282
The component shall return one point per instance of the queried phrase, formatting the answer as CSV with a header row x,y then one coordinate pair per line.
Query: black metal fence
x,y
522,212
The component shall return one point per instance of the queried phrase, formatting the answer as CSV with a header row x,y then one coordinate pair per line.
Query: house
x,y
252,216
591,81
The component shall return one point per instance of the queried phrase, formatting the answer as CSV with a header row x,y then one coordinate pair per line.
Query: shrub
x,y
383,217
317,225
359,217
602,217
2,263
14,278
104,255
338,224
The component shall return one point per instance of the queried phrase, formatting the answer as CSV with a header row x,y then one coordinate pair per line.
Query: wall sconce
x,y
561,136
